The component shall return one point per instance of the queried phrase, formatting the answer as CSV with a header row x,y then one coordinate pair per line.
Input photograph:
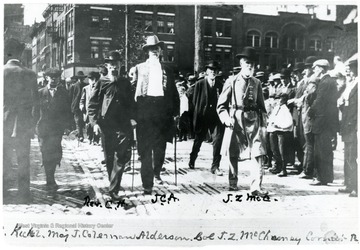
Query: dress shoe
x,y
317,183
158,180
283,174
52,186
114,196
353,194
24,199
191,165
103,162
305,176
217,171
344,190
163,169
275,171
233,188
81,139
260,193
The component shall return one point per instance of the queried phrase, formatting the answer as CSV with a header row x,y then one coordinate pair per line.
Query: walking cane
x,y
175,156
133,160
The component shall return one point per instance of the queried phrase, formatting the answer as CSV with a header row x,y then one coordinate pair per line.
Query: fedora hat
x,y
249,53
93,75
310,60
152,41
212,65
112,56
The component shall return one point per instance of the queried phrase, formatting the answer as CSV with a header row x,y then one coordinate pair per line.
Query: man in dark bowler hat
x,y
325,126
75,96
111,111
157,102
20,114
55,115
241,109
205,118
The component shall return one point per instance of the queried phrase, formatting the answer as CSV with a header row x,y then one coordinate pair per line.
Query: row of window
x,y
217,27
253,39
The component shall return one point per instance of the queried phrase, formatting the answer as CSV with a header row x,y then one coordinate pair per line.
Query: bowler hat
x,y
112,56
80,74
192,78
310,60
276,76
249,53
284,72
93,75
152,41
52,72
212,65
299,66
321,63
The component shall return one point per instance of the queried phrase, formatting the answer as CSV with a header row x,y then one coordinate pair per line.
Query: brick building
x,y
76,37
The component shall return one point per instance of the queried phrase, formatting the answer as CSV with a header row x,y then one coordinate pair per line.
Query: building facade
x,y
76,37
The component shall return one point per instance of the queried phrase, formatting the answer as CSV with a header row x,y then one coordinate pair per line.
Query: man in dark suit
x,y
111,110
75,96
55,115
324,113
348,129
205,117
20,112
157,102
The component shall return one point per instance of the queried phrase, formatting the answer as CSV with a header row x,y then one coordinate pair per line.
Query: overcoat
x,y
201,105
247,138
348,126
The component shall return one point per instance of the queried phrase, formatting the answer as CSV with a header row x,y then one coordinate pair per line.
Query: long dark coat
x,y
200,104
348,126
55,113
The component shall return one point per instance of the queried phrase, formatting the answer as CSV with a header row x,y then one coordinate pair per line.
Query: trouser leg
x,y
257,173
79,122
109,140
274,142
309,157
147,171
159,155
123,155
324,157
199,138
217,137
233,175
282,143
353,167
22,146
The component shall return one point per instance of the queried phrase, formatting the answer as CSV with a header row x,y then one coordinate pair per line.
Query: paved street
x,y
197,191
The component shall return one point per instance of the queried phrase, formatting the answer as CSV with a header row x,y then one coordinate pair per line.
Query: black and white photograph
x,y
180,124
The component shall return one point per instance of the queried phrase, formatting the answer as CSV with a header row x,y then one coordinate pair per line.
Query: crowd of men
x,y
268,118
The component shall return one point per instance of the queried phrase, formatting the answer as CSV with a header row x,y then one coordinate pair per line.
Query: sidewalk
x,y
198,191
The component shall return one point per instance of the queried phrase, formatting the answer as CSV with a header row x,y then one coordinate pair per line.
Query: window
x,y
170,27
271,40
223,27
208,26
70,23
95,21
315,44
99,47
253,39
294,42
148,25
170,52
70,49
330,44
208,52
160,26
94,52
105,22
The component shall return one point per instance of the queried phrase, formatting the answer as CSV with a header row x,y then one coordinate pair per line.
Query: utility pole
x,y
199,45
126,38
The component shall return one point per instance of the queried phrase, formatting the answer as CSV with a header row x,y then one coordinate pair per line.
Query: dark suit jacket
x,y
20,99
75,95
201,101
112,104
348,127
324,108
55,113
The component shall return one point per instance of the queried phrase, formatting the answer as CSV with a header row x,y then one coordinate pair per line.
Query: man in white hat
x,y
324,113
241,109
157,102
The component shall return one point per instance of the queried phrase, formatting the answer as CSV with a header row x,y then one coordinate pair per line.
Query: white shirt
x,y
184,104
155,87
51,90
280,119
